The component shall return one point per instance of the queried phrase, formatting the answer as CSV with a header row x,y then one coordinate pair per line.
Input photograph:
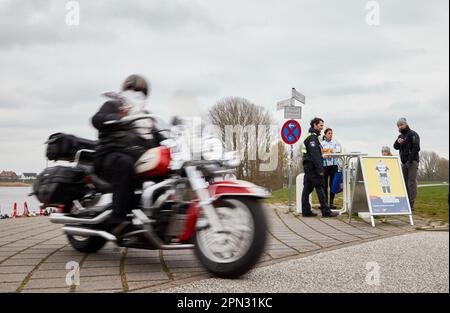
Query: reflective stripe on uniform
x,y
304,150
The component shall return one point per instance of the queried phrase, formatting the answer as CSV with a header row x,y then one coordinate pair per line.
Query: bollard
x,y
299,191
15,210
25,209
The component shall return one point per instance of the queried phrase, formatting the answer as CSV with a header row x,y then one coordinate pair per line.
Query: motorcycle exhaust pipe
x,y
61,218
177,247
79,231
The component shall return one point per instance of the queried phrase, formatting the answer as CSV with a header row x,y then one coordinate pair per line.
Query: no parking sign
x,y
291,132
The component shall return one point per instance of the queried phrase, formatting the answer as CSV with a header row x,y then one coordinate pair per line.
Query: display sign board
x,y
285,103
293,113
384,186
298,96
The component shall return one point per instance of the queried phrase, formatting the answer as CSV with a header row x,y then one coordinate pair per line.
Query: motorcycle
x,y
190,206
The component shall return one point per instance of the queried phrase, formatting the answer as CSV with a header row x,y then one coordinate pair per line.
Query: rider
x,y
118,148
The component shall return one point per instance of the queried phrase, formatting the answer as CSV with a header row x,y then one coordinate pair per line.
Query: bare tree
x,y
278,178
432,167
443,170
246,128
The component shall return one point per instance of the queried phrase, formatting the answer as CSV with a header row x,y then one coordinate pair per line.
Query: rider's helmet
x,y
137,83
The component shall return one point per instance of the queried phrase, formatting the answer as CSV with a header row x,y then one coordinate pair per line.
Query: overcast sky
x,y
359,78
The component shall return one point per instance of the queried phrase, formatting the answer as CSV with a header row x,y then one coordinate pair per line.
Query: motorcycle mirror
x,y
176,121
110,122
112,95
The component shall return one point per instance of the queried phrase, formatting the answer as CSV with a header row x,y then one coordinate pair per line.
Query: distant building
x,y
29,175
8,175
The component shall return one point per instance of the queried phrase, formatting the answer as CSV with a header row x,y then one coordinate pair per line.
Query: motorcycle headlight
x,y
232,159
212,149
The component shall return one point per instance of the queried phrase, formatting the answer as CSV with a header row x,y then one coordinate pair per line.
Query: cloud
x,y
359,78
382,88
158,15
42,22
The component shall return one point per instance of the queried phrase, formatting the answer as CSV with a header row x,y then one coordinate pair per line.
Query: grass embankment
x,y
14,184
431,202
281,196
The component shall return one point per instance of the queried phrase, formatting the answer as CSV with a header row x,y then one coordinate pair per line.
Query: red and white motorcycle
x,y
193,207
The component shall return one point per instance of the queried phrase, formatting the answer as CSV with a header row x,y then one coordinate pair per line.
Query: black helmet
x,y
136,83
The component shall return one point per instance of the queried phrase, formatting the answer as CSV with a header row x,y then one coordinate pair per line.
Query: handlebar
x,y
127,120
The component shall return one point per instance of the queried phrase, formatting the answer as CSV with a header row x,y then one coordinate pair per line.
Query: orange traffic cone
x,y
25,209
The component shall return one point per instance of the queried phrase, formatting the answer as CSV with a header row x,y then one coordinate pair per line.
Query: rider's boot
x,y
119,225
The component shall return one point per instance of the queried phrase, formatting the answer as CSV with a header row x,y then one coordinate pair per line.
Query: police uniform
x,y
314,170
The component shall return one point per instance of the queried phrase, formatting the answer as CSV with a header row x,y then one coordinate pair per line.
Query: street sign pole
x,y
290,176
291,133
291,130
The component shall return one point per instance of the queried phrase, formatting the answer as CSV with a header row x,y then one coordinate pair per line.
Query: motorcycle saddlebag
x,y
63,147
59,185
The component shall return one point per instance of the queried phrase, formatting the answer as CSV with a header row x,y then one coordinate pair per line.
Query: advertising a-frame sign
x,y
380,188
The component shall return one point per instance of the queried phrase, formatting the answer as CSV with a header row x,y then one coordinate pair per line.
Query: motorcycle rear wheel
x,y
86,244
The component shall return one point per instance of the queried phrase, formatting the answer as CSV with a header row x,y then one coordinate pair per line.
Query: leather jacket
x,y
114,139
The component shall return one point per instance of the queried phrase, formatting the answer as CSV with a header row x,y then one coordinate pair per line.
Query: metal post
x,y
290,177
344,186
299,192
348,184
372,221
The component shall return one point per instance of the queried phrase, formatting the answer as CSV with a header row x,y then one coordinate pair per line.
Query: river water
x,y
9,195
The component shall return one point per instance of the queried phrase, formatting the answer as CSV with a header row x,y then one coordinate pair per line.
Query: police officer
x,y
314,171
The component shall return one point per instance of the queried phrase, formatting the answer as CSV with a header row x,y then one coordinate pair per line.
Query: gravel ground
x,y
417,262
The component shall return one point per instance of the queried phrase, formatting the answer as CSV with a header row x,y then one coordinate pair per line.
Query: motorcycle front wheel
x,y
236,250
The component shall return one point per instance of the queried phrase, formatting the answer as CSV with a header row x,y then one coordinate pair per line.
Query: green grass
x,y
431,202
281,196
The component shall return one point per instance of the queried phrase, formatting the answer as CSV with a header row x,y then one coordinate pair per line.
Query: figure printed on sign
x,y
383,176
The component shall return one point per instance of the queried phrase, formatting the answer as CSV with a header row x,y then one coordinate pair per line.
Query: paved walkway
x,y
34,253
414,262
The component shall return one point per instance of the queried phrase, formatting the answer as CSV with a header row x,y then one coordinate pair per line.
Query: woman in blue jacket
x,y
329,145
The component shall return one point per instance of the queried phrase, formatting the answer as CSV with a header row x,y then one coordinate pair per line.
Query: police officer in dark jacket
x,y
408,143
314,171
118,149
